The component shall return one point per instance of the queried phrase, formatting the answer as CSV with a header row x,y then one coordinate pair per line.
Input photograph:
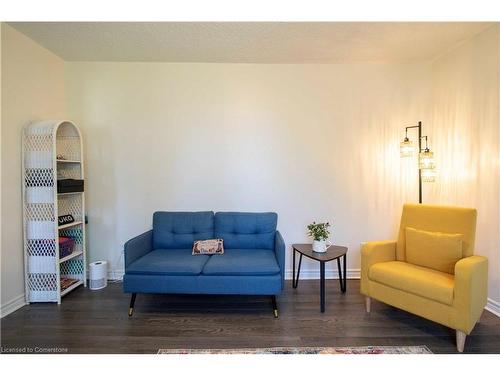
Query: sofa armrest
x,y
279,250
375,252
471,290
138,247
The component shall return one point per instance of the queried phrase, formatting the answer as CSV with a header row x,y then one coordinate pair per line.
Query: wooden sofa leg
x,y
132,302
461,336
368,304
275,306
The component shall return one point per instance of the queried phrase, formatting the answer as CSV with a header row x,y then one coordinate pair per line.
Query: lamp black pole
x,y
419,126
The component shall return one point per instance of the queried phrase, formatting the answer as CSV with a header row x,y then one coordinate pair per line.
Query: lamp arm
x,y
426,147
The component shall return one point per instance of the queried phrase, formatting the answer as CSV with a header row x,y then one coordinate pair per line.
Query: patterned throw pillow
x,y
209,247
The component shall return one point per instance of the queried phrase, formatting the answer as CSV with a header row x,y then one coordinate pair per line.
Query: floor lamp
x,y
426,163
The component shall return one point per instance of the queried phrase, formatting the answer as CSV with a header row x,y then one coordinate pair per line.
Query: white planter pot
x,y
319,246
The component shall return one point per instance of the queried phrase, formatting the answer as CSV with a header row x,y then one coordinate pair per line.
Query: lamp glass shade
x,y
406,148
426,160
429,175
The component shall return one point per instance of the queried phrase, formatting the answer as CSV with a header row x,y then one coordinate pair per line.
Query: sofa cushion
x,y
244,262
178,262
179,230
421,281
436,250
246,230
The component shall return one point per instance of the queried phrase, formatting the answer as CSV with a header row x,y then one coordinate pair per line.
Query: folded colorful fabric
x,y
215,246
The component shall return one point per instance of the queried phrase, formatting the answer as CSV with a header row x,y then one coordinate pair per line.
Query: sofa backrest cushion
x,y
437,250
246,230
446,219
179,230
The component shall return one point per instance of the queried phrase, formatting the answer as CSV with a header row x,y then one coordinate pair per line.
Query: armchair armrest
x,y
279,250
138,247
375,252
471,290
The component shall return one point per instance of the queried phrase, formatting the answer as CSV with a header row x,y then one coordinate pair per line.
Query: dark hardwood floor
x,y
97,322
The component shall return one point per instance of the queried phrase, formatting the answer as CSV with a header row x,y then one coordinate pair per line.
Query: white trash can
x,y
98,275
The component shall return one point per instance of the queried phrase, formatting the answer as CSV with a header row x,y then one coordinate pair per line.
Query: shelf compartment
x,y
69,170
68,143
73,269
70,204
73,286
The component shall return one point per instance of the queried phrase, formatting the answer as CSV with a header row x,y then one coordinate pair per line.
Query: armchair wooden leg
x,y
368,304
275,306
132,302
461,336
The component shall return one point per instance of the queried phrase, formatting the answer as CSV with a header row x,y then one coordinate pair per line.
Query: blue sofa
x,y
160,260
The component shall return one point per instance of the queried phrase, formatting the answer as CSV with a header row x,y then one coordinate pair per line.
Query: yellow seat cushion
x,y
436,250
421,281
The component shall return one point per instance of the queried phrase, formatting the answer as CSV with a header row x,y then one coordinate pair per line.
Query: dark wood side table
x,y
333,252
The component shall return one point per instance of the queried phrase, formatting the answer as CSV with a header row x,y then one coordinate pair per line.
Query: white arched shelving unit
x,y
52,150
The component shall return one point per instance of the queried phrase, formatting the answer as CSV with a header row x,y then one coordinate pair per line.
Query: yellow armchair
x,y
454,300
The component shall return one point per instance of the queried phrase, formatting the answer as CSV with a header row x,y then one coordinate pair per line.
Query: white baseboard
x,y
113,275
354,273
116,274
304,274
493,307
13,305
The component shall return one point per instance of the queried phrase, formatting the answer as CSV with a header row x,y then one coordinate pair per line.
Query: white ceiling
x,y
249,42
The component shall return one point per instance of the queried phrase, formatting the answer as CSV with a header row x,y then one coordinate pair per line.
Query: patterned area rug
x,y
308,350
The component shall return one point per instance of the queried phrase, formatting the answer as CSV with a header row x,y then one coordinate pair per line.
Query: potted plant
x,y
320,233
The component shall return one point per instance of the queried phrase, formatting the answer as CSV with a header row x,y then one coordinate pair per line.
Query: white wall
x,y
33,89
311,142
465,130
